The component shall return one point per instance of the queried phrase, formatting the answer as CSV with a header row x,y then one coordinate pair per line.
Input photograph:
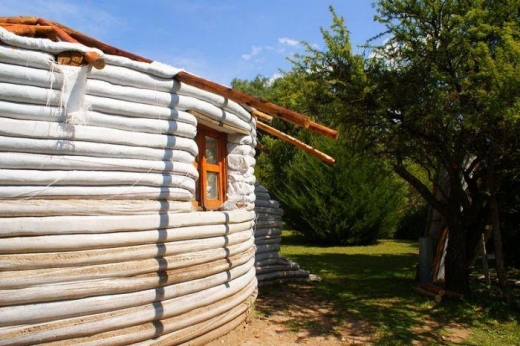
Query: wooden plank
x,y
271,130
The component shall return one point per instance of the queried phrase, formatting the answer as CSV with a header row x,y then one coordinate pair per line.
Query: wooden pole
x,y
262,116
26,30
263,106
271,130
29,20
91,57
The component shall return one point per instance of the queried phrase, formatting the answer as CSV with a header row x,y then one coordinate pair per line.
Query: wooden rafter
x,y
297,143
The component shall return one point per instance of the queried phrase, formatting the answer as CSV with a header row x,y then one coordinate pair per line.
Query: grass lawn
x,y
373,285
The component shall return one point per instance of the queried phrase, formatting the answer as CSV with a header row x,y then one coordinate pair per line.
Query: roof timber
x,y
297,143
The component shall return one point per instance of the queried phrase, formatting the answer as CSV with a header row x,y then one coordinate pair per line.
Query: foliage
x,y
369,288
356,201
441,93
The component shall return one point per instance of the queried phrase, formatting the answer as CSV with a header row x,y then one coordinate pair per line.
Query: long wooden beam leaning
x,y
91,57
297,143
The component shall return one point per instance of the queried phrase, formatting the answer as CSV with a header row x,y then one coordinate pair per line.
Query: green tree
x,y
441,93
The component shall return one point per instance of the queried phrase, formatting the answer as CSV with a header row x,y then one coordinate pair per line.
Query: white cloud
x,y
254,51
288,41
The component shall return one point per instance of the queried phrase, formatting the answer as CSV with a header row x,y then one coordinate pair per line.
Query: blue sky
x,y
215,39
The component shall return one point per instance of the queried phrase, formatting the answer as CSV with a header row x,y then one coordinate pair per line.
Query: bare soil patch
x,y
292,315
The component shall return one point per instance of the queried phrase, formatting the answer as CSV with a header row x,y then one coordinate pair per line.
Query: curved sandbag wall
x,y
270,266
99,242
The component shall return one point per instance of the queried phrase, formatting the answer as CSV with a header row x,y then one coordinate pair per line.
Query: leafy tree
x,y
441,93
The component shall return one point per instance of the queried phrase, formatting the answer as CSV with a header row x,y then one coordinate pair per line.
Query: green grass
x,y
373,284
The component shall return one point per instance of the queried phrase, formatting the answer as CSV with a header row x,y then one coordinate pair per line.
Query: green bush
x,y
355,201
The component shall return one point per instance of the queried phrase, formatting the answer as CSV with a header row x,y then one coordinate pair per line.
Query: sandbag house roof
x,y
30,26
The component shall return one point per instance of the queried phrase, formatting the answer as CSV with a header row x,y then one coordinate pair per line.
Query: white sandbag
x,y
269,211
154,68
43,44
149,331
25,111
262,189
240,188
240,163
30,76
205,331
218,124
29,58
267,203
51,207
68,147
237,149
244,140
114,285
241,199
214,99
46,276
261,195
96,192
24,226
94,178
268,224
25,314
130,77
234,177
47,130
126,101
29,94
83,256
93,324
171,127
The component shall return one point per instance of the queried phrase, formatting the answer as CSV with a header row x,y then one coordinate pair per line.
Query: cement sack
x,y
93,178
21,75
28,58
30,94
68,147
46,130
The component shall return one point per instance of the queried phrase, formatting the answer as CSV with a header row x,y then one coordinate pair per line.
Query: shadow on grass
x,y
369,297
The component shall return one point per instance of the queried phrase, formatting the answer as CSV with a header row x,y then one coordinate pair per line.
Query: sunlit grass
x,y
374,284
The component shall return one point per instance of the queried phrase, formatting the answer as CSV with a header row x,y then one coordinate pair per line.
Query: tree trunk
x,y
457,275
503,281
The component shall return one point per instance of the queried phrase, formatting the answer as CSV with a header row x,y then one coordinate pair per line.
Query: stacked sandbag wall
x,y
99,243
270,266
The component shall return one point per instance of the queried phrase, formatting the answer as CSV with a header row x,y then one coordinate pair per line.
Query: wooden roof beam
x,y
261,115
28,20
297,143
27,29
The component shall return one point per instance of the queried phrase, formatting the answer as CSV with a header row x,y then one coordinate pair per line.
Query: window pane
x,y
211,150
212,185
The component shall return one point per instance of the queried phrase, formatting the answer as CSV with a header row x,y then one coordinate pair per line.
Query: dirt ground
x,y
289,315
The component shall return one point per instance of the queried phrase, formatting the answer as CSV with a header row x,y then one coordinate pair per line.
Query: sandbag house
x,y
129,209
